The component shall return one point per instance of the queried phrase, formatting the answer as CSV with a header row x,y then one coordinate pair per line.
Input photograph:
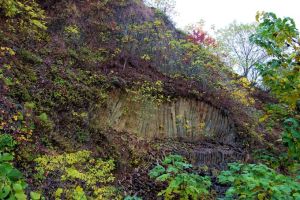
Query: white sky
x,y
222,12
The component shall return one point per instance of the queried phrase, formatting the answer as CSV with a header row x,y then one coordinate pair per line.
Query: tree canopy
x,y
238,52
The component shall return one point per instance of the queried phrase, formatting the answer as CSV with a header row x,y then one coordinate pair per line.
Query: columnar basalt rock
x,y
180,118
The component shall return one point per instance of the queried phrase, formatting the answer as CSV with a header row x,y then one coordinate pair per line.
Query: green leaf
x,y
17,187
5,168
39,24
261,196
14,175
157,171
163,177
4,192
21,196
181,183
254,181
172,169
6,157
35,195
43,117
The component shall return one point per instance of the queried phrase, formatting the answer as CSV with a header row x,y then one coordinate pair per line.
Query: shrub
x,y
149,92
11,180
79,168
180,182
257,181
7,143
30,57
291,137
45,121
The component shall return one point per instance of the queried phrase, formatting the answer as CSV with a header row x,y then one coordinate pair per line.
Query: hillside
x,y
96,93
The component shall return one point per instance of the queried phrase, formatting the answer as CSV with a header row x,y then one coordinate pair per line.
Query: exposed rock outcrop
x,y
180,118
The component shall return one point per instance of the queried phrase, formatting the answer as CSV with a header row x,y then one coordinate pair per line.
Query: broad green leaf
x,y
163,177
14,175
6,157
35,195
17,187
4,192
20,196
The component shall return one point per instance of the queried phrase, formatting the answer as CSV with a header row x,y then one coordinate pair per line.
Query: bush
x,y
7,143
291,137
257,181
79,168
181,183
30,57
11,180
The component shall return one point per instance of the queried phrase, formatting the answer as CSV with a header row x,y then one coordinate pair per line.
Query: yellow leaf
x,y
15,117
263,118
261,196
257,16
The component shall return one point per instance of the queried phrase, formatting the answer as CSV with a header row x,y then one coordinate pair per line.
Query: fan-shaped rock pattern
x,y
180,118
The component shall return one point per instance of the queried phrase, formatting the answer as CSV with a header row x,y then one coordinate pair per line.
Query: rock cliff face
x,y
180,118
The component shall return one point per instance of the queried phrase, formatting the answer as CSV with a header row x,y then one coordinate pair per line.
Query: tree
x,y
238,52
166,6
281,73
199,36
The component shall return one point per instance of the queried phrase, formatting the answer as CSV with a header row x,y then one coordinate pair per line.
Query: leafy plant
x,y
11,185
269,158
165,6
280,38
45,121
72,29
78,194
79,167
257,181
181,183
291,138
30,56
25,16
58,193
43,118
35,196
132,198
7,143
149,92
107,192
